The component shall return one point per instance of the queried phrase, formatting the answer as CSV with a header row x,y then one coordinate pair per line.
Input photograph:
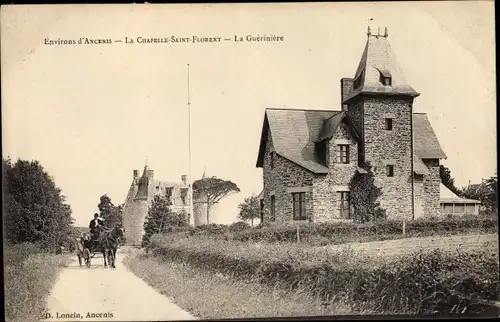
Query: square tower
x,y
379,101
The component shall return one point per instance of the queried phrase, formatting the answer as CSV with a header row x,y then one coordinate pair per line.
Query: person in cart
x,y
95,225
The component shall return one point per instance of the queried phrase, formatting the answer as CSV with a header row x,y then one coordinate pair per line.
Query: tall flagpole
x,y
190,180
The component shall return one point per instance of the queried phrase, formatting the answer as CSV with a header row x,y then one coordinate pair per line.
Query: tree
x,y
249,209
486,192
34,207
492,196
214,189
364,196
447,180
161,219
113,215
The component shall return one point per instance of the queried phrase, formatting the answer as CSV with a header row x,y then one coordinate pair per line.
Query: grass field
x,y
28,279
438,267
413,276
215,296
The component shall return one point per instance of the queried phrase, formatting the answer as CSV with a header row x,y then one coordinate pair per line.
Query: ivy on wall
x,y
364,197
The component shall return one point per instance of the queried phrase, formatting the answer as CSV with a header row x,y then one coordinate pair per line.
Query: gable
x,y
331,124
293,135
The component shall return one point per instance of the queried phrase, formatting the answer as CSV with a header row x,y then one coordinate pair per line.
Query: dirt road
x,y
106,294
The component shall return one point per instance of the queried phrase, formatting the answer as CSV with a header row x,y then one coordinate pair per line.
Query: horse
x,y
109,242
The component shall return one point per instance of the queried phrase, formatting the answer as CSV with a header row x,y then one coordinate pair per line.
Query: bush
x,y
15,255
409,284
263,224
210,229
239,226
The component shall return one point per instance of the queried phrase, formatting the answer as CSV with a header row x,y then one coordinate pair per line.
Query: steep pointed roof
x,y
145,171
142,190
426,143
379,60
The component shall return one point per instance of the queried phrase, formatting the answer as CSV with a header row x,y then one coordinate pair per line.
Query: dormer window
x,y
321,151
385,77
343,153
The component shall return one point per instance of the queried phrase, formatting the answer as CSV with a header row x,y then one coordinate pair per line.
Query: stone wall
x,y
383,147
431,188
418,184
285,174
134,213
325,187
355,113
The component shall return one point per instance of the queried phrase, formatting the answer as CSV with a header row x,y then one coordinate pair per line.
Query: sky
x,y
91,114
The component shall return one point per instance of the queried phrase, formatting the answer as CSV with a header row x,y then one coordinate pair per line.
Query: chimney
x,y
150,175
136,174
184,178
345,88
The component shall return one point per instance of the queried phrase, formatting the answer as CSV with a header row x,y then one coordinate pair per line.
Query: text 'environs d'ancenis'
x,y
165,40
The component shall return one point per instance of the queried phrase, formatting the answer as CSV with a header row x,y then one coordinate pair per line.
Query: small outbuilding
x,y
451,204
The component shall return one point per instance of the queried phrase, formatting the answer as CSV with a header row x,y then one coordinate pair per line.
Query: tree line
x,y
35,210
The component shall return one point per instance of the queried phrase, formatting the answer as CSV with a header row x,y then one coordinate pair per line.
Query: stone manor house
x,y
141,193
308,157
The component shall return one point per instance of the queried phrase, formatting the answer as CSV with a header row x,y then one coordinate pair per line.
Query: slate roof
x,y
294,133
447,196
418,166
426,143
146,190
378,58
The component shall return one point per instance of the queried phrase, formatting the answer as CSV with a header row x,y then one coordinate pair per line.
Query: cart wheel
x,y
86,255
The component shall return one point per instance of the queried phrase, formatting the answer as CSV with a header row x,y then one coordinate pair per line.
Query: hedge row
x,y
345,231
413,284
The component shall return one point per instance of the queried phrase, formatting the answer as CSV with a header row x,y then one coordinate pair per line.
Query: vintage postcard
x,y
215,161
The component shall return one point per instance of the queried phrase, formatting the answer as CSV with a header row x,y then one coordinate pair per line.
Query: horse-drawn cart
x,y
106,244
